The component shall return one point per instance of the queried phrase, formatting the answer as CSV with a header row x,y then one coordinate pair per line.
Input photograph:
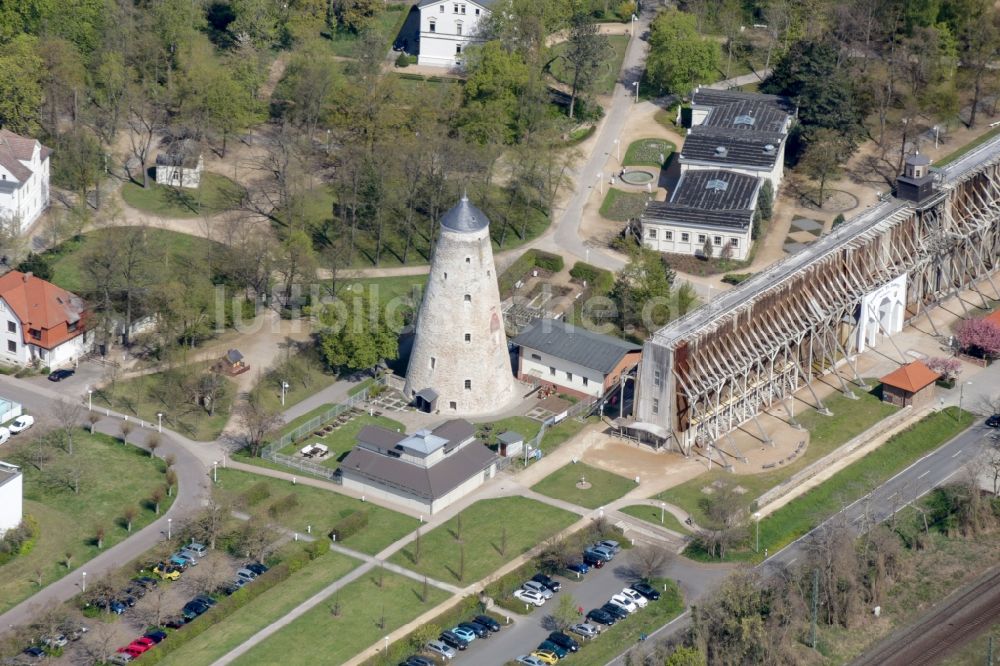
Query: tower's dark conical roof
x,y
464,216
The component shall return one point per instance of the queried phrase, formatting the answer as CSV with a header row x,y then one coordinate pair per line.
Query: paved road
x,y
192,489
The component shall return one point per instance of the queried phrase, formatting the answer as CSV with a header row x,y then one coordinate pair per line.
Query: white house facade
x,y
447,27
181,166
24,179
40,322
11,497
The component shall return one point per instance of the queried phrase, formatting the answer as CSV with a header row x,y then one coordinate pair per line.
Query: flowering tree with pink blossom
x,y
979,337
948,368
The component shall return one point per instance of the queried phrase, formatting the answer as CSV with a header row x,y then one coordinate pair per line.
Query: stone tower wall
x,y
462,299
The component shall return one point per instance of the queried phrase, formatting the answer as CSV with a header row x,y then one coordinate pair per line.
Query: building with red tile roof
x,y
911,384
45,324
24,179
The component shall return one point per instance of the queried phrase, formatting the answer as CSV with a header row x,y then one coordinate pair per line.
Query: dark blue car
x,y
578,567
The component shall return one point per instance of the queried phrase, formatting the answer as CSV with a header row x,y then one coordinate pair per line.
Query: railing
x,y
271,450
304,466
582,407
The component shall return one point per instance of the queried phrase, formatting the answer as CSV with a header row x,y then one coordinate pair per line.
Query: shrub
x,y
736,278
839,220
548,261
349,526
625,10
411,77
402,60
19,540
283,505
255,494
598,280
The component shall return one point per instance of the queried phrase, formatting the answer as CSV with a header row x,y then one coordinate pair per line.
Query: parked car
x,y
546,656
624,601
59,375
228,589
547,581
479,630
190,556
578,567
144,643
610,544
175,622
646,590
529,597
604,552
488,622
993,421
197,548
77,633
417,660
586,630
451,639
147,582
182,561
466,635
193,609
530,660
564,641
131,651
137,591
34,652
56,641
440,649
592,559
156,636
549,646
535,586
636,598
4,435
246,575
601,616
117,607
21,423
256,567
120,658
205,599
167,571
617,611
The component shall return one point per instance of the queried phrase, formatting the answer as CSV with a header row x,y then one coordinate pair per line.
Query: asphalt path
x,y
192,490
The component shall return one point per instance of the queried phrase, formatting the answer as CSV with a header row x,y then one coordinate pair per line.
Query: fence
x,y
583,407
270,451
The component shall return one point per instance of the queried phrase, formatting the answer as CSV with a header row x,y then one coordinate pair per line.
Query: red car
x,y
144,643
133,652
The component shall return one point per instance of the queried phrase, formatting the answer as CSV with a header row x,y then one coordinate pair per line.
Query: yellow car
x,y
546,656
166,571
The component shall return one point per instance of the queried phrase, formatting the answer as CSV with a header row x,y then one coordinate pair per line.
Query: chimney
x,y
27,276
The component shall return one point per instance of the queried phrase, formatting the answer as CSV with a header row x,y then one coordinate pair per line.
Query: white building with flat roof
x,y
11,497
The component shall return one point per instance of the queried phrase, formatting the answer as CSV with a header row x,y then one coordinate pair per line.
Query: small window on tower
x,y
468,260
453,405
445,276
656,406
433,362
468,298
468,337
468,384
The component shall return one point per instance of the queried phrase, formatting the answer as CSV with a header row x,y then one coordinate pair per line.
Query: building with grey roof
x,y
715,206
425,471
11,497
573,359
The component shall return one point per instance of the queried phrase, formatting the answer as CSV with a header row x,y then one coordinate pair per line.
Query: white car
x,y
21,423
624,602
535,586
4,435
529,597
439,649
639,600
530,660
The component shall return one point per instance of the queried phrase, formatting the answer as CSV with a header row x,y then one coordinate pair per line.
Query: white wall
x,y
19,355
542,369
27,202
65,354
677,245
464,489
11,503
174,176
440,47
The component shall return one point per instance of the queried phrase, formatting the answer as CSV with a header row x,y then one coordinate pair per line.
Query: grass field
x,y
411,85
652,514
309,377
343,439
526,523
368,612
112,477
179,249
215,195
605,486
554,436
236,628
387,22
321,509
399,291
850,418
646,152
621,206
147,395
605,83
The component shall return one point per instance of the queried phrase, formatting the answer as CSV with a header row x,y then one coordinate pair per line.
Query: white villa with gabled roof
x,y
447,27
24,179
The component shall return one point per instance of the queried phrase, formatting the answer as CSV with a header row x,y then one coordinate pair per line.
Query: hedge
x,y
256,493
283,505
349,526
736,278
524,264
598,279
548,261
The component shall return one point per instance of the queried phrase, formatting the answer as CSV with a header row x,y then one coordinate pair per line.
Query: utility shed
x,y
912,384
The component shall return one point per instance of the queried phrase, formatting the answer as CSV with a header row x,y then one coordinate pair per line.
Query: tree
x,y
99,532
497,78
37,265
585,50
146,118
128,515
566,613
978,337
93,418
679,57
153,443
686,656
978,43
765,200
355,15
948,368
642,290
259,422
355,335
170,478
824,153
299,260
20,85
649,562
156,497
707,249
423,634
125,428
256,22
68,419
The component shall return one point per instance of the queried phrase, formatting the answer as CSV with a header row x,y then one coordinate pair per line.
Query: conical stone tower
x,y
460,363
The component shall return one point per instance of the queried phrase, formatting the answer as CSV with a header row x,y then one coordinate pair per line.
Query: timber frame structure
x,y
716,368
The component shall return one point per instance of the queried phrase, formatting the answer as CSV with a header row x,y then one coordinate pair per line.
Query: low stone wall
x,y
849,447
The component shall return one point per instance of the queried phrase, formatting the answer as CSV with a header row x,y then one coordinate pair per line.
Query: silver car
x,y
585,629
535,586
441,650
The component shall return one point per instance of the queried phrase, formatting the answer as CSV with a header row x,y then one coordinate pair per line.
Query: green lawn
x,y
215,195
526,522
387,22
147,395
343,439
622,206
321,509
605,83
414,84
277,602
111,477
308,376
646,152
975,143
179,250
605,486
554,436
652,514
397,292
367,613
826,433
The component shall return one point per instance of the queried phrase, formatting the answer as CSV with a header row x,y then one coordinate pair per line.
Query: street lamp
x,y
636,84
756,516
83,584
284,386
618,150
937,131
159,421
386,644
90,400
215,471
961,394
169,535
600,182
663,508
634,17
